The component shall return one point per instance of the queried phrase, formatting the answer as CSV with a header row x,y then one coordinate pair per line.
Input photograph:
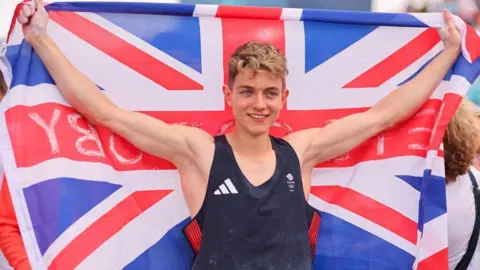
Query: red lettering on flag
x,y
409,138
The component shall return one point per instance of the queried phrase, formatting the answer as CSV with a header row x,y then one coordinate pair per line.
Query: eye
x,y
272,94
246,92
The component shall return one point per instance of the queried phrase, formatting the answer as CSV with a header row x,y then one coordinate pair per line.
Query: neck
x,y
244,143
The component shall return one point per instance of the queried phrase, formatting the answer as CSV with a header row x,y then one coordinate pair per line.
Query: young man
x,y
263,223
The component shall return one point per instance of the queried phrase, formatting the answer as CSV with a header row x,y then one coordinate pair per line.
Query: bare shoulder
x,y
301,141
200,144
193,133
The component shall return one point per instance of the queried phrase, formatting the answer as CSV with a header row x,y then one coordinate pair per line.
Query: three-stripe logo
x,y
226,188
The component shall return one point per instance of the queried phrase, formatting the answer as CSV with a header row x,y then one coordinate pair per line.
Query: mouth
x,y
258,117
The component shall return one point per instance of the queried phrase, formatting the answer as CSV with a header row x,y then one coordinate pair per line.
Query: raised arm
x,y
320,144
172,142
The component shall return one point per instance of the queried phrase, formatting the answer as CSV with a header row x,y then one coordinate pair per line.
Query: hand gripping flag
x,y
86,199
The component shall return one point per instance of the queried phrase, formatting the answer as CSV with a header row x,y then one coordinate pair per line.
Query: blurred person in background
x,y
460,145
11,242
476,21
414,9
474,91
473,95
465,9
3,87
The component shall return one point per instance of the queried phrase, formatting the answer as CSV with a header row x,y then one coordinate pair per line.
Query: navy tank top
x,y
242,226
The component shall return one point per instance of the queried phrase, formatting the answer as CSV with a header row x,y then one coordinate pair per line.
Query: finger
x,y
443,33
39,4
22,19
450,24
32,9
30,3
26,12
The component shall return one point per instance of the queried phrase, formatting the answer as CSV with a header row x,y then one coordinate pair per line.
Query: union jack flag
x,y
87,199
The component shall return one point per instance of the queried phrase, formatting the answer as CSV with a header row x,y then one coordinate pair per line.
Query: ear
x,y
227,92
285,94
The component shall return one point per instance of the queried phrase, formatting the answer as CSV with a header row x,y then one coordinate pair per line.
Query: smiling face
x,y
256,86
256,98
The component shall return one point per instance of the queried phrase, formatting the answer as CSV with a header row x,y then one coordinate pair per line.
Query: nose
x,y
259,103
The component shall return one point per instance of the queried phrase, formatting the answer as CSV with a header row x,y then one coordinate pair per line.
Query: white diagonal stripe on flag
x,y
142,45
94,171
364,223
83,223
431,243
104,67
202,10
378,176
155,222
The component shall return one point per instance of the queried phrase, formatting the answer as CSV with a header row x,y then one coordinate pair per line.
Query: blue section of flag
x,y
341,245
172,252
125,8
359,18
432,202
27,67
433,196
175,35
461,68
56,204
469,71
414,181
12,53
421,214
319,46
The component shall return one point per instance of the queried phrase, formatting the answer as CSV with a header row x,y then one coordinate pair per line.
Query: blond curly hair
x,y
257,56
460,141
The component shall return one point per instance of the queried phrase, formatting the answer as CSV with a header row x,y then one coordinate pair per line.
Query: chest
x,y
257,170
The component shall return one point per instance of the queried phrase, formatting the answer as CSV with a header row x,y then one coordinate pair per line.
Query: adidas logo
x,y
226,188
